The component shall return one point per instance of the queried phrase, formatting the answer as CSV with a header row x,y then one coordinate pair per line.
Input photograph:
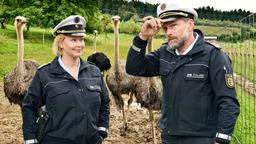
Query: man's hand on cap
x,y
150,28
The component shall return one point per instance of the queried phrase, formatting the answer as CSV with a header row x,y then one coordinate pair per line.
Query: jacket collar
x,y
55,67
199,45
83,65
197,48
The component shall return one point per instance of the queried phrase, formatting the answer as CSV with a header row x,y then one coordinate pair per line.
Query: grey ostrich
x,y
118,81
95,32
17,81
148,91
153,99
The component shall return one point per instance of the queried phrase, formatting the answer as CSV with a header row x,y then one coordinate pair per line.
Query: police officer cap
x,y
73,25
170,11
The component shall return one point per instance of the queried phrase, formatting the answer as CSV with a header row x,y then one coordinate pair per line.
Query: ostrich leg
x,y
152,120
124,127
130,100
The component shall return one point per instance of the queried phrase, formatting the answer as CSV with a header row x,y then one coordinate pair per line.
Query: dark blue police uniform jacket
x,y
76,108
196,99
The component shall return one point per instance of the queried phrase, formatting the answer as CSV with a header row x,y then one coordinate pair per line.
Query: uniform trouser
x,y
95,139
169,139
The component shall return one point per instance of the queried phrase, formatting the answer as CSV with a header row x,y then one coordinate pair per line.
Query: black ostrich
x,y
100,60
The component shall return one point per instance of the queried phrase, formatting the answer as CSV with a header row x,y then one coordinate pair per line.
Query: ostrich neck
x,y
19,32
116,47
94,43
150,45
150,49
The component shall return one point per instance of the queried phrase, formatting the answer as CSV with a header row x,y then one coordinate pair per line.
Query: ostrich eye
x,y
18,20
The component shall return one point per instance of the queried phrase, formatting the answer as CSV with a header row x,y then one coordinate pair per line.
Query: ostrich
x,y
95,32
118,81
152,101
148,91
99,58
17,81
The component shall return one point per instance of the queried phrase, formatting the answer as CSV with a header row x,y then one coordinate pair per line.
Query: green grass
x,y
245,131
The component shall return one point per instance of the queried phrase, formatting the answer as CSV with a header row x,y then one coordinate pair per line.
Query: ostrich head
x,y
20,22
147,18
116,19
95,32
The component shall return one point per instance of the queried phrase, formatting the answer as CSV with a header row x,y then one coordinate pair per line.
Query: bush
x,y
219,23
129,27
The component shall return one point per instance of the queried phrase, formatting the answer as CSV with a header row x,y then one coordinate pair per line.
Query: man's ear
x,y
191,24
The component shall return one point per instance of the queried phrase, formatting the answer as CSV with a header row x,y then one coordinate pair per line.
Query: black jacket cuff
x,y
103,134
139,42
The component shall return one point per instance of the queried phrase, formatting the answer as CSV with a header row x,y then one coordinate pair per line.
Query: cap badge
x,y
163,6
76,19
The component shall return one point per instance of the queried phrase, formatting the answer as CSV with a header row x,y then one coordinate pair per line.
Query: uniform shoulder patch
x,y
43,65
229,80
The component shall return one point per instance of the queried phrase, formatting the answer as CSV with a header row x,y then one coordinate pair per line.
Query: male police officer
x,y
199,103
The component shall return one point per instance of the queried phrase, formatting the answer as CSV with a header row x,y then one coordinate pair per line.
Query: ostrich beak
x,y
25,21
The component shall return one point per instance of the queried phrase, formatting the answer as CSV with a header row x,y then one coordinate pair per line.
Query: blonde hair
x,y
55,47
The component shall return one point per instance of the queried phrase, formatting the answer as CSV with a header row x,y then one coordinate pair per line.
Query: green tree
x,y
47,13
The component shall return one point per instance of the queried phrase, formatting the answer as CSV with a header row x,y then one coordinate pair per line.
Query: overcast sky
x,y
224,5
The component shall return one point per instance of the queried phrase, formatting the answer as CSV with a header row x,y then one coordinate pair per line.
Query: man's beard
x,y
181,42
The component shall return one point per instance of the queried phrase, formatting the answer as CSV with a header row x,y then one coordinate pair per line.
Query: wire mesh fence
x,y
240,45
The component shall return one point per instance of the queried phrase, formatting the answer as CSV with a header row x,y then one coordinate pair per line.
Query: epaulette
x,y
43,65
214,45
165,43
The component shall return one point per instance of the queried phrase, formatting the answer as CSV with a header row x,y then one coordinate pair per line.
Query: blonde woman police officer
x,y
72,90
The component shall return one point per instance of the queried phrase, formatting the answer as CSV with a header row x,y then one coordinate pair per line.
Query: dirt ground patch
x,y
139,128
